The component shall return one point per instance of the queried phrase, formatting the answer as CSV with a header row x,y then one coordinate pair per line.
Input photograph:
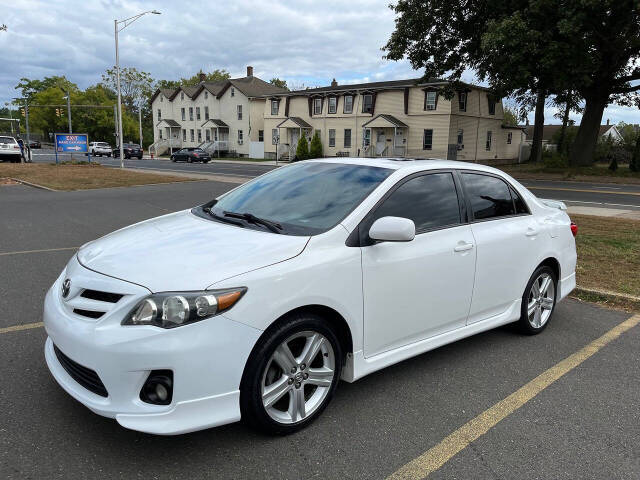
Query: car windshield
x,y
304,198
7,140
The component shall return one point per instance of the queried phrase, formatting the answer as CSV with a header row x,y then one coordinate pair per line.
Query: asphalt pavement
x,y
584,425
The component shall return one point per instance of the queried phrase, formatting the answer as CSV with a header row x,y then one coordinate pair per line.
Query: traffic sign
x,y
72,142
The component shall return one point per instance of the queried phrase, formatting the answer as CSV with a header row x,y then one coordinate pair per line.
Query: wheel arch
x,y
553,264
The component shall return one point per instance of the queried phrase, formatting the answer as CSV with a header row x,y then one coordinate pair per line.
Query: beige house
x,y
224,117
396,118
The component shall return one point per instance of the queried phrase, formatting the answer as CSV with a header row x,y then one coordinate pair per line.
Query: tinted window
x,y
430,201
305,198
521,207
489,196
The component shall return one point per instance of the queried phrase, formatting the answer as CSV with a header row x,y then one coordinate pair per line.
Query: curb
x,y
608,295
34,185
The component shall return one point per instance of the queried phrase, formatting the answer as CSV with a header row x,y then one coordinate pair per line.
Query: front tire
x,y
538,301
291,375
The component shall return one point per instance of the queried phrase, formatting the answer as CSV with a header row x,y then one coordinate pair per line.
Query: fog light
x,y
158,389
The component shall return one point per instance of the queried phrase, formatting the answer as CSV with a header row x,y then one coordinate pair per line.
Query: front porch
x,y
385,136
169,137
289,133
216,134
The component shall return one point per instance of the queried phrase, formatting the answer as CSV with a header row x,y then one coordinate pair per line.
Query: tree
x,y
29,88
510,117
279,83
217,75
170,84
136,87
302,150
568,102
315,151
634,165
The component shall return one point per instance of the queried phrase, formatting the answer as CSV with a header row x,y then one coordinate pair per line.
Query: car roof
x,y
410,164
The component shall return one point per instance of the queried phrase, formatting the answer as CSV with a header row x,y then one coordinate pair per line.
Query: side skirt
x,y
358,366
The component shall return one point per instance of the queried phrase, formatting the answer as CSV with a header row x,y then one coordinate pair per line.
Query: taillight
x,y
196,155
574,229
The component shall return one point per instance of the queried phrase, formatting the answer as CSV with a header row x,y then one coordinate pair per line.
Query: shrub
x,y
302,150
554,160
634,164
315,151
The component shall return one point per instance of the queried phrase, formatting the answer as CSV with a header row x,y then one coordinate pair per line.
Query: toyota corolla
x,y
254,305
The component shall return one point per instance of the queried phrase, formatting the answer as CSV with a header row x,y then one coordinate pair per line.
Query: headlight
x,y
173,309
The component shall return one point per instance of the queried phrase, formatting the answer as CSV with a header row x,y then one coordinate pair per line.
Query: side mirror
x,y
393,229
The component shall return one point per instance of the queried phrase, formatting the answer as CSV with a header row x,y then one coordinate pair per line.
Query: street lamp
x,y
120,25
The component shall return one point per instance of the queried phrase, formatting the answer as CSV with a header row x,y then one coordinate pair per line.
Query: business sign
x,y
72,142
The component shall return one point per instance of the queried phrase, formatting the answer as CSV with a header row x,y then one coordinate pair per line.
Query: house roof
x,y
549,131
384,120
215,122
169,122
167,92
297,123
251,87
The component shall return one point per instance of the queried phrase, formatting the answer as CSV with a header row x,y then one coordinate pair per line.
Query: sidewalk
x,y
604,212
222,160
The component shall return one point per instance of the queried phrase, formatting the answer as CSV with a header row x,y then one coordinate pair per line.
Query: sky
x,y
307,43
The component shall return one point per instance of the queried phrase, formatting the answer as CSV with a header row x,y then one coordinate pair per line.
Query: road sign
x,y
72,142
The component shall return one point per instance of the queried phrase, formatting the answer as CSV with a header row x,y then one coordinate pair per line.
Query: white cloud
x,y
304,42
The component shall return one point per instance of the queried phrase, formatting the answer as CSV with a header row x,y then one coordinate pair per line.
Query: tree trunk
x,y
587,137
536,144
563,130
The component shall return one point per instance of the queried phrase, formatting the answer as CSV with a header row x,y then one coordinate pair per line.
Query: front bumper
x,y
207,359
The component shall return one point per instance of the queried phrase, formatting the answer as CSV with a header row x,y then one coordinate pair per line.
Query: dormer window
x,y
367,103
275,105
333,104
430,100
317,106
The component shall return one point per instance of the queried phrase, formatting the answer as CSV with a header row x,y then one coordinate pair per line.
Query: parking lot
x,y
403,420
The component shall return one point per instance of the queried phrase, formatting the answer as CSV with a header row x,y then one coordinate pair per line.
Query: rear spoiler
x,y
554,203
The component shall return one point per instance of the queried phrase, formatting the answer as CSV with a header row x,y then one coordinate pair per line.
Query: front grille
x,y
86,377
87,313
101,296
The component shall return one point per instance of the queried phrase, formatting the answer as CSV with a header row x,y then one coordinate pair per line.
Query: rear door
x,y
418,289
507,239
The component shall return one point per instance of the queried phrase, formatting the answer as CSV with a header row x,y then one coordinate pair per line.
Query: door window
x,y
489,196
521,207
431,201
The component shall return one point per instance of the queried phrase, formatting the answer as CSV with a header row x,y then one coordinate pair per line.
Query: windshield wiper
x,y
208,210
249,217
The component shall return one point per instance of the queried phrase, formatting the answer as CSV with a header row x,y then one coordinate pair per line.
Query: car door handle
x,y
531,232
462,248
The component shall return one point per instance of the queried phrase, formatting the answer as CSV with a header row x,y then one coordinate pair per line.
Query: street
x,y
584,425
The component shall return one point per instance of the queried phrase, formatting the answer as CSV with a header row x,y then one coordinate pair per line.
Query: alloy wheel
x,y
541,300
298,377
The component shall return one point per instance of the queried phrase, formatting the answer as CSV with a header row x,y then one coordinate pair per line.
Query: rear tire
x,y
538,301
291,375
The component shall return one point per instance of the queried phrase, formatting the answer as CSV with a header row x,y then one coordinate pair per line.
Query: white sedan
x,y
10,150
257,303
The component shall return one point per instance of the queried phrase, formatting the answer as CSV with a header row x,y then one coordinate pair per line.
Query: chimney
x,y
249,71
203,76
607,121
334,83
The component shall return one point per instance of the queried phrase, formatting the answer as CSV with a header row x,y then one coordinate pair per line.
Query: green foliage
x,y
634,165
510,117
554,160
28,88
629,134
569,137
216,75
302,150
136,87
279,83
609,151
171,84
315,151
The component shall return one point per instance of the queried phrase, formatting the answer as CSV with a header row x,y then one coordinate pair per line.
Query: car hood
x,y
181,251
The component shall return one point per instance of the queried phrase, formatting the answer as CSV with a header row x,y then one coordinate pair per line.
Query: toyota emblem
x,y
66,287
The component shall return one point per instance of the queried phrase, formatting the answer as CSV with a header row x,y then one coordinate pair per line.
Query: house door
x,y
293,146
381,142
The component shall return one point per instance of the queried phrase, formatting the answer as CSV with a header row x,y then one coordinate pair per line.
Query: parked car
x,y
35,144
9,150
191,154
98,149
257,303
129,150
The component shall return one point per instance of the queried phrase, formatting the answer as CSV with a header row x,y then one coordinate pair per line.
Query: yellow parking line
x,y
20,252
17,328
583,190
436,457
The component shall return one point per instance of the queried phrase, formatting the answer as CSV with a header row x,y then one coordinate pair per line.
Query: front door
x,y
381,142
419,289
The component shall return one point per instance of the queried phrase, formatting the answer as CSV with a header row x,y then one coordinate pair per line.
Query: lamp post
x,y
119,25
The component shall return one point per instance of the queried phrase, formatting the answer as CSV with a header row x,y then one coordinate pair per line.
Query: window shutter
x,y
286,107
406,100
373,103
310,106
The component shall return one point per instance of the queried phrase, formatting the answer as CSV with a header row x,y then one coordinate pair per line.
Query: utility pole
x,y
140,123
26,119
120,146
115,119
